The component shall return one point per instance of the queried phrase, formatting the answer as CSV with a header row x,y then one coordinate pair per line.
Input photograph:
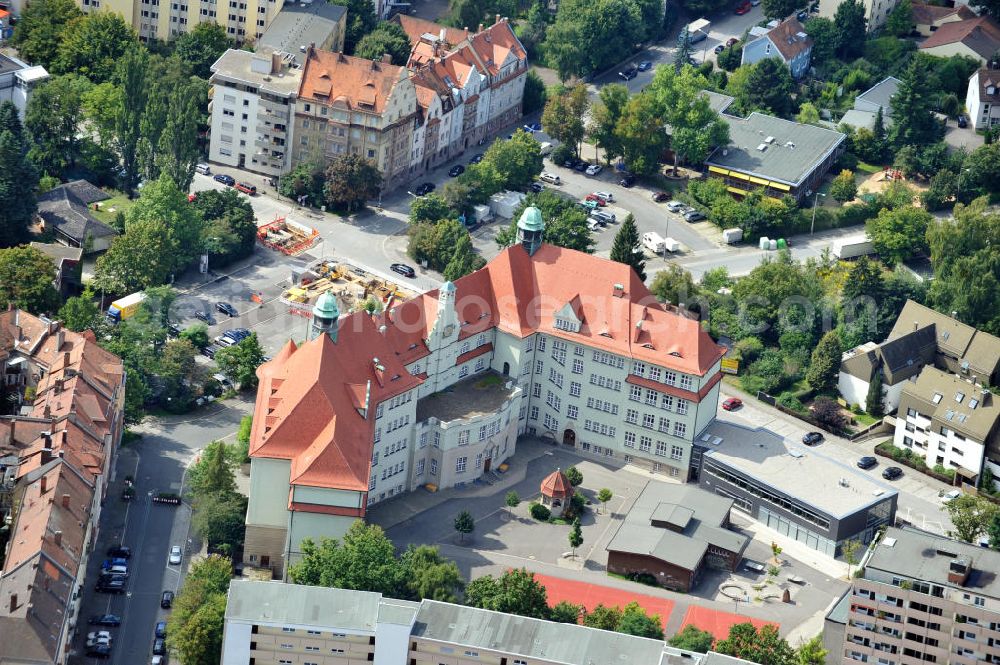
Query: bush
x,y
561,153
643,578
791,402
539,512
828,412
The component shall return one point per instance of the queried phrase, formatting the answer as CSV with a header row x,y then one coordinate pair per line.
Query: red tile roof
x,y
981,35
786,38
556,485
356,83
315,404
924,14
415,28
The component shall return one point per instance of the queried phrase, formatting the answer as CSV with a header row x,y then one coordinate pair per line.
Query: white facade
x,y
17,80
945,447
982,100
876,11
855,391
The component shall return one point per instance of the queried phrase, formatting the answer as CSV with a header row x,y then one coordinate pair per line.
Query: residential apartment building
x,y
920,598
976,38
542,341
56,459
244,20
876,11
251,108
18,80
786,40
272,623
349,105
982,99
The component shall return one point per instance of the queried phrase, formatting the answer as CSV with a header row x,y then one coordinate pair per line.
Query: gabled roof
x,y
981,35
790,38
66,209
310,408
415,28
358,84
924,14
986,79
880,94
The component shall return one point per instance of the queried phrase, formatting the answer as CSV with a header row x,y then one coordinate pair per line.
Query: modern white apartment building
x,y
982,99
543,341
244,20
272,623
251,107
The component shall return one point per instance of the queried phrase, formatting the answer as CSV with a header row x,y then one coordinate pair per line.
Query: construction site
x,y
287,236
354,288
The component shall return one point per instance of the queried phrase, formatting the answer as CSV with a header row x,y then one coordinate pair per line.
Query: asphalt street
x,y
157,462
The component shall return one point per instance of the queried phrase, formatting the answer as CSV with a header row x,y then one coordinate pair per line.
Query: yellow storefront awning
x,y
716,169
778,185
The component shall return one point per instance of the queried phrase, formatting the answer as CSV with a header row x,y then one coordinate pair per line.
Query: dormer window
x,y
567,325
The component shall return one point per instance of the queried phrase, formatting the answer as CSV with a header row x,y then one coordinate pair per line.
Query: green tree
x,y
971,516
306,179
464,524
212,473
824,36
640,133
178,151
230,216
635,621
562,118
812,652
100,104
825,363
779,9
627,249
590,35
899,23
575,536
850,550
429,575
565,612
516,591
512,500
430,208
534,92
682,55
196,622
574,476
18,181
364,560
808,114
768,87
52,118
463,261
93,44
385,38
874,399
211,574
350,181
565,223
26,276
763,293
850,28
177,371
80,312
843,188
604,495
607,112
240,361
692,638
434,243
899,234
988,7
981,167
603,617
673,284
695,129
133,73
201,47
361,20
764,646
912,108
993,531
220,519
40,29
516,161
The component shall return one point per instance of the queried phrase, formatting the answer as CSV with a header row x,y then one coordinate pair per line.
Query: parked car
x,y
627,181
108,564
867,462
425,189
403,269
582,166
456,170
226,309
209,351
246,188
161,629
719,48
111,586
693,216
731,403
99,651
802,16
660,197
645,65
99,635
607,196
593,224
951,495
532,127
536,187
476,159
628,73
596,199
226,180
732,40
603,216
105,620
963,121
204,316
892,472
698,36
755,566
812,438
120,552
588,205
167,600
175,555
157,660
743,8
159,647
675,206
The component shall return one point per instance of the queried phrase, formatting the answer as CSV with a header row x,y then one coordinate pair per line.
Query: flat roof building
x,y
793,489
674,532
269,623
920,598
297,27
784,158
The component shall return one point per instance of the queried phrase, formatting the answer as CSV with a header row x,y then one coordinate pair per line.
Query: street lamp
x,y
958,191
812,226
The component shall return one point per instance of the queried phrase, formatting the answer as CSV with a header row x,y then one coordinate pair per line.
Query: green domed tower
x,y
530,229
324,316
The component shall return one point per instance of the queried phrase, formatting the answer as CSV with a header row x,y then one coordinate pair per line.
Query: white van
x,y
203,169
550,178
546,148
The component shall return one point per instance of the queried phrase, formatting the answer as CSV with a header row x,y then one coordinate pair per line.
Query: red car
x,y
744,8
660,197
596,199
732,403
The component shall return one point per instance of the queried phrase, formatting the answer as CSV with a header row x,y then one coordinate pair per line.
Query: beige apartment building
x,y
273,623
921,598
349,105
244,20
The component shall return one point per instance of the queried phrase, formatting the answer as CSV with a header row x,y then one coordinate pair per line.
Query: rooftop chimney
x,y
13,603
65,500
43,484
386,59
60,338
57,538
442,34
66,361
480,28
46,412
958,570
498,18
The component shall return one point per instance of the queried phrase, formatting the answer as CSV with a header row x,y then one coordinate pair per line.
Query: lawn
x,y
864,420
868,168
111,207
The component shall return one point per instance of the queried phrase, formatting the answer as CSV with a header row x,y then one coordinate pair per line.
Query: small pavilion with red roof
x,y
556,491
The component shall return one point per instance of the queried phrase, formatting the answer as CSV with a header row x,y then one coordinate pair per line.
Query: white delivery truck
x,y
657,244
852,246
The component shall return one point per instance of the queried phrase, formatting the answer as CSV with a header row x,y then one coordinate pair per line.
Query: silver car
x,y
175,555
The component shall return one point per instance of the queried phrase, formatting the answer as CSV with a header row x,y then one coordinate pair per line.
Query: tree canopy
x,y
200,47
516,591
26,277
764,646
386,38
627,249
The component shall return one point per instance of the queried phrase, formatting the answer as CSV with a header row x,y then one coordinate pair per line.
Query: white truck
x,y
657,244
852,246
